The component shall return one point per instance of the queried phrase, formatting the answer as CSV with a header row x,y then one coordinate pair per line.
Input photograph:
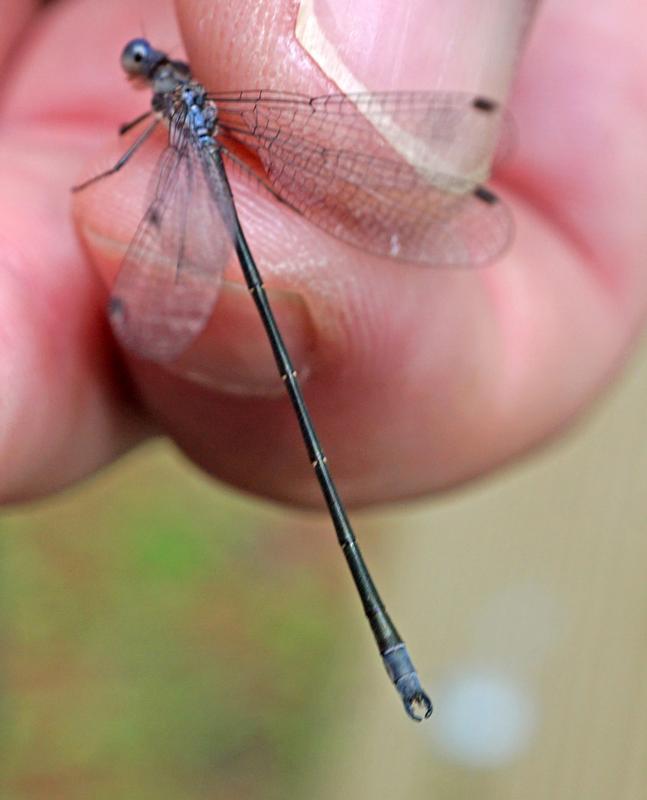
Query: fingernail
x,y
233,354
348,41
380,44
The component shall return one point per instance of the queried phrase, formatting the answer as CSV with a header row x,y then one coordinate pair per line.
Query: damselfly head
x,y
139,59
147,67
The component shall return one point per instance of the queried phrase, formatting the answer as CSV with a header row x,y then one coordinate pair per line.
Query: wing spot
x,y
485,104
154,217
116,308
486,195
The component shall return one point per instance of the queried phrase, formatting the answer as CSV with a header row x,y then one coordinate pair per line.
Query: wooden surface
x,y
524,602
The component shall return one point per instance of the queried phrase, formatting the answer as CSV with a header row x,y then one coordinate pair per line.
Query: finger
x,y
314,47
66,406
15,14
438,376
331,329
63,412
583,126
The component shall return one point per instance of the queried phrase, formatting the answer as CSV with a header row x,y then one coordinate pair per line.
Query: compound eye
x,y
137,57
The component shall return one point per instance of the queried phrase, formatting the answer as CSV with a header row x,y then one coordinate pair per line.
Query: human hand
x,y
437,376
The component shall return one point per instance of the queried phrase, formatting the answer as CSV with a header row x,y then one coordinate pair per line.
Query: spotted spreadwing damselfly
x,y
372,169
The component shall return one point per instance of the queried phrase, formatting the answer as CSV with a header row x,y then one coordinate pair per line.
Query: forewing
x,y
170,277
377,184
453,133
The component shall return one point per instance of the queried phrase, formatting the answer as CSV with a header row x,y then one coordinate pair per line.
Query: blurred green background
x,y
163,637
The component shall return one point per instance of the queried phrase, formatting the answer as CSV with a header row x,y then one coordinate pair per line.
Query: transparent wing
x,y
170,277
393,173
454,133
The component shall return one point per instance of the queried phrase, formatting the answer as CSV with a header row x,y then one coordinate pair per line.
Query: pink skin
x,y
420,381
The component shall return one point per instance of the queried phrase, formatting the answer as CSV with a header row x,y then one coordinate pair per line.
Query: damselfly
x,y
371,169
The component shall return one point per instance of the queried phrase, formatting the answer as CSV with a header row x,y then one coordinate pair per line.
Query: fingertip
x,y
317,47
247,44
